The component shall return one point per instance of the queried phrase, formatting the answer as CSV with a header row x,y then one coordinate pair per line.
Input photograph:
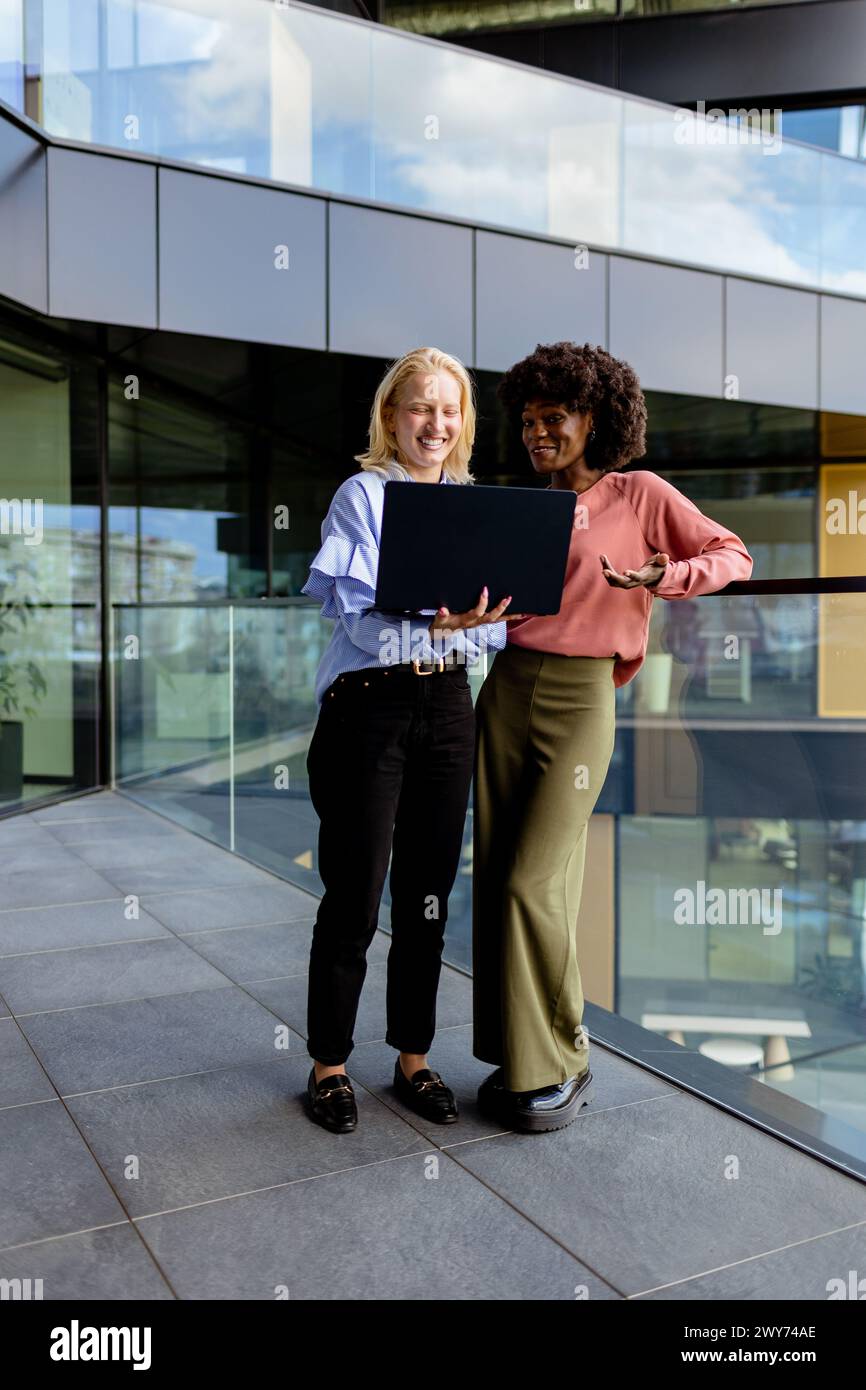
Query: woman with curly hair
x,y
545,717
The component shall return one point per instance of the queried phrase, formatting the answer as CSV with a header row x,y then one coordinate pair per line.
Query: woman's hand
x,y
474,617
649,573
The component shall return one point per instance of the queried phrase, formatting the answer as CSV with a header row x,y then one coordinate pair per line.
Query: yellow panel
x,y
841,625
842,436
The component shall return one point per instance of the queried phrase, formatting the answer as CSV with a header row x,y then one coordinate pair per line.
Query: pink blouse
x,y
628,517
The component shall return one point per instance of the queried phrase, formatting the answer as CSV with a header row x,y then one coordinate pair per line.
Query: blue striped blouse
x,y
343,576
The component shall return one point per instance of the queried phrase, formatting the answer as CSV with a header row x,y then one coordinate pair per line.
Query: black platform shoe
x,y
331,1102
426,1094
552,1107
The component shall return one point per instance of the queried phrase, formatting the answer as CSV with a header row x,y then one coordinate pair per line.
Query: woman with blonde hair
x,y
390,761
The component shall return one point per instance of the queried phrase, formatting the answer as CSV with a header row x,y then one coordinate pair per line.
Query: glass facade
x,y
219,461
838,128
50,647
319,100
736,919
215,706
186,479
161,497
740,861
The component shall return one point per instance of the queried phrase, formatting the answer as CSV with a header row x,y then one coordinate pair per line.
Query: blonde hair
x,y
381,455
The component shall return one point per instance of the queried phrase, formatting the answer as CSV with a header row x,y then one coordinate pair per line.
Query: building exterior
x,y
800,60
219,221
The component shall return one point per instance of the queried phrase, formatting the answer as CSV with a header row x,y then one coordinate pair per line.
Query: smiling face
x,y
554,436
426,420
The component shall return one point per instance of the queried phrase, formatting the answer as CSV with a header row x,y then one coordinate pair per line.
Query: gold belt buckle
x,y
435,670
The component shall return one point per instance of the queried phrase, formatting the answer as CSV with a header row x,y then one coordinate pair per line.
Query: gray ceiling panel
x,y
843,355
399,282
529,292
667,323
101,238
772,343
23,267
240,261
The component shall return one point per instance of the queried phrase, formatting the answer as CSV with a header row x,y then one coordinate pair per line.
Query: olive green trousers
x,y
545,736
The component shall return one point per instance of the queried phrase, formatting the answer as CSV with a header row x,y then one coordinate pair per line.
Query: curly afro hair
x,y
584,379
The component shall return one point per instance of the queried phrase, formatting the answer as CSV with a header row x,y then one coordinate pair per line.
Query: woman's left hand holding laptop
x,y
474,617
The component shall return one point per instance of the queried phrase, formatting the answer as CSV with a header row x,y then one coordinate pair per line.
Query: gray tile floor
x,y
153,1144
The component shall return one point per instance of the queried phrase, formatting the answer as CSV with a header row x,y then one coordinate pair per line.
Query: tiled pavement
x,y
153,1144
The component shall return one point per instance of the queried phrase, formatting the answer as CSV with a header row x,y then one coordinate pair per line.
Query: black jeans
x,y
390,763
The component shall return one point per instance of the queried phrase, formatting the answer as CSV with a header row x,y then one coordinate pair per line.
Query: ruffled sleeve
x,y
343,578
352,562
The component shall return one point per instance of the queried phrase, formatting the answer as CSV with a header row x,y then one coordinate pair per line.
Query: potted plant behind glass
x,y
20,680
653,683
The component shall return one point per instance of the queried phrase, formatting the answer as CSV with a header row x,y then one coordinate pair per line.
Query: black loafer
x,y
552,1107
332,1102
426,1094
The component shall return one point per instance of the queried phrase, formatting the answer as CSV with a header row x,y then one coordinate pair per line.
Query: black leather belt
x,y
441,667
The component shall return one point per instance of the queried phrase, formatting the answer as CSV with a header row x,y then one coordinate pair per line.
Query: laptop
x,y
441,545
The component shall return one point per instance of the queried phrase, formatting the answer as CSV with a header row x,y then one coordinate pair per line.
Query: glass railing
x,y
737,917
214,709
214,706
318,100
50,665
737,787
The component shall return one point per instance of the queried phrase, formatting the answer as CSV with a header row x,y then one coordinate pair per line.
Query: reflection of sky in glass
x,y
311,98
11,56
731,204
59,516
841,129
814,127
70,36
195,530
